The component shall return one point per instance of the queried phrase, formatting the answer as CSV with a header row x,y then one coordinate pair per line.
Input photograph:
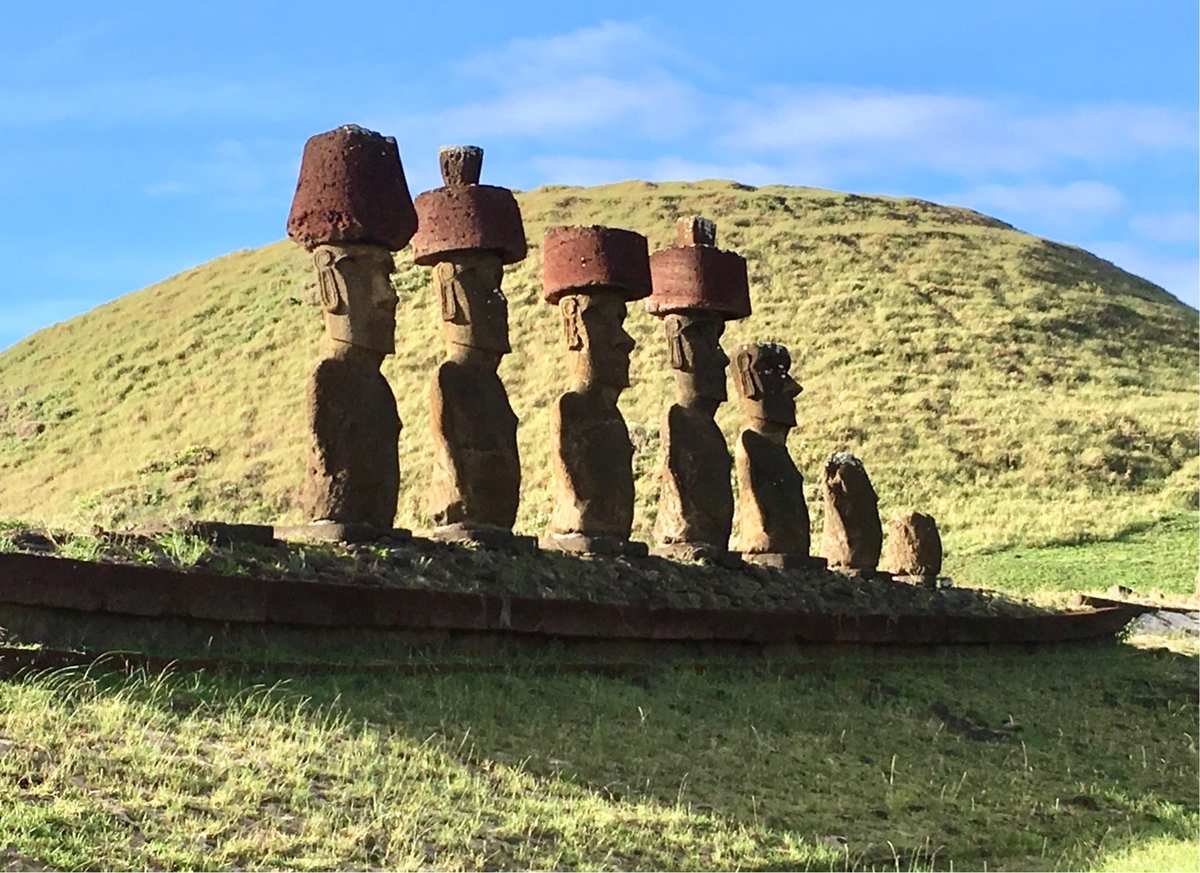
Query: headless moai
x,y
591,274
352,209
468,232
914,548
773,522
697,289
853,537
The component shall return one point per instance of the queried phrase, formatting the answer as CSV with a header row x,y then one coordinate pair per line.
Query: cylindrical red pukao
x,y
699,278
468,218
583,260
352,190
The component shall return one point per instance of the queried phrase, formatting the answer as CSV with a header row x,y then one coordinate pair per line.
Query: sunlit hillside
x,y
1018,389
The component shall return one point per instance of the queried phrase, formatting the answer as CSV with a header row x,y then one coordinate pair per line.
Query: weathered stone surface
x,y
695,230
354,290
476,478
914,546
695,503
353,465
853,536
772,514
466,217
578,259
592,456
460,165
352,190
697,276
339,532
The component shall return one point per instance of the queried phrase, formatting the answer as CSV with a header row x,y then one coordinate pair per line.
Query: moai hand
x,y
468,232
773,521
697,288
351,210
853,536
591,273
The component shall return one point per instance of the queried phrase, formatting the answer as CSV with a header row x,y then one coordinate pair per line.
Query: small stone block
x,y
461,165
784,560
224,534
695,230
486,537
338,532
697,552
581,544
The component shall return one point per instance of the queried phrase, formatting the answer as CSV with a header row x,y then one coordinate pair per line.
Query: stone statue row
x,y
352,210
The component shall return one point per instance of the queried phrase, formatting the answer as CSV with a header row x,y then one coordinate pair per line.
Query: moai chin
x,y
591,274
853,537
773,523
467,233
351,210
697,289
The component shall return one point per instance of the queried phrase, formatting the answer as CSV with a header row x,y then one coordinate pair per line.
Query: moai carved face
x,y
474,309
697,356
765,384
594,328
356,294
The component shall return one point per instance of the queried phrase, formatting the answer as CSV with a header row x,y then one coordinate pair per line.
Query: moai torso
x,y
593,467
772,514
476,475
696,500
353,471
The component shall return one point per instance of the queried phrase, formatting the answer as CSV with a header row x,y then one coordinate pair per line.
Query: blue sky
x,y
139,139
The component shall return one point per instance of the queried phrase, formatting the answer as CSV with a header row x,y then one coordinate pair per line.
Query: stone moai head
x,y
354,289
766,387
697,289
591,273
467,233
352,209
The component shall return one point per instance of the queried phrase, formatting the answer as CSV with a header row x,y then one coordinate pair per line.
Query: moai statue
x,y
697,288
853,536
590,274
352,209
468,232
914,548
773,525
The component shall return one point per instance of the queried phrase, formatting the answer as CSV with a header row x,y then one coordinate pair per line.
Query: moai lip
x,y
352,190
464,216
582,259
698,276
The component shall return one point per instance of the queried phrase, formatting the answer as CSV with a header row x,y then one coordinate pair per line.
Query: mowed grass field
x,y
989,759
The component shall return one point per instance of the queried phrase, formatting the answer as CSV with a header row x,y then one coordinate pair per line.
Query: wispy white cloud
x,y
576,170
1047,201
1169,227
232,169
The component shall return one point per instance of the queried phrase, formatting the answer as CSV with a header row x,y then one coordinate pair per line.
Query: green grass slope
x,y
1020,390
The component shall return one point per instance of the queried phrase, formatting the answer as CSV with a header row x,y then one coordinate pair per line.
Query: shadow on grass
x,y
1017,760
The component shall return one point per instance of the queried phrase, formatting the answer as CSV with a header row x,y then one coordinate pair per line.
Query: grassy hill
x,y
1021,390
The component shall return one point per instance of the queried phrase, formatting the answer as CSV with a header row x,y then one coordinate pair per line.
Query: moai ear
x,y
569,308
749,382
447,292
676,344
331,285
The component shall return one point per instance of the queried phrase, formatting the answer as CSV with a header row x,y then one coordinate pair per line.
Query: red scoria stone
x,y
699,278
468,218
582,259
352,190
